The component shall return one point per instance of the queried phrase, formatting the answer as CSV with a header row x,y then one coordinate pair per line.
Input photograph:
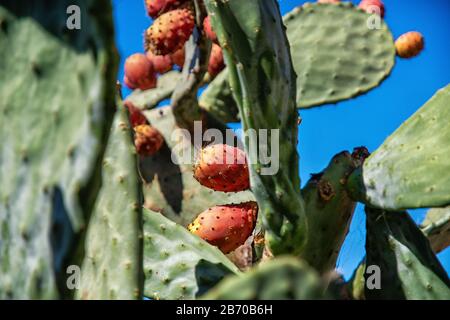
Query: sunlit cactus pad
x,y
149,99
436,227
410,169
178,264
111,268
335,53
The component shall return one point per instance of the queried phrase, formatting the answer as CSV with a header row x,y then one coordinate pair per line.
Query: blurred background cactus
x,y
111,199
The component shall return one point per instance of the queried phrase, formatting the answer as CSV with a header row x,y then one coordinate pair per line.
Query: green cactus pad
x,y
57,89
149,99
178,264
335,53
412,168
263,84
436,227
329,211
171,188
357,283
217,99
112,266
408,267
284,278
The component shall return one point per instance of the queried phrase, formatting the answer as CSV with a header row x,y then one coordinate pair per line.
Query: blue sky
x,y
367,120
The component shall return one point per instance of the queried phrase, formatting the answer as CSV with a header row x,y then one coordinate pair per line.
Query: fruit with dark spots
x,y
148,140
222,168
226,226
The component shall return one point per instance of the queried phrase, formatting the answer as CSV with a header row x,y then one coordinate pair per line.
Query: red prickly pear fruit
x,y
136,116
157,7
409,44
161,64
148,140
128,83
226,226
178,57
169,32
223,168
207,28
139,72
372,6
216,62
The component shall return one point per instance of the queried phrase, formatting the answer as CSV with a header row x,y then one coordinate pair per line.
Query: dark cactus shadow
x,y
161,169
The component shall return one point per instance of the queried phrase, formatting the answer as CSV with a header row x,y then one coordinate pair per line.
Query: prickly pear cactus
x,y
329,210
178,264
57,87
436,227
357,283
217,99
285,278
408,170
409,268
149,99
263,84
338,52
112,265
169,187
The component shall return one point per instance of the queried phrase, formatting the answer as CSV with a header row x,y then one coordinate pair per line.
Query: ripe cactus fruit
x,y
222,168
139,72
207,28
148,140
372,6
161,64
409,44
170,31
178,57
226,226
158,7
216,61
136,116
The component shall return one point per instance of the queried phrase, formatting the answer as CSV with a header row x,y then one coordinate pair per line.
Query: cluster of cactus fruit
x,y
218,228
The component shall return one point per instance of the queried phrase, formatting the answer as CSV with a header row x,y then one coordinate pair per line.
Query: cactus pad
x,y
335,53
411,169
112,264
329,211
263,84
285,278
171,188
178,264
436,227
149,99
408,267
217,99
57,89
